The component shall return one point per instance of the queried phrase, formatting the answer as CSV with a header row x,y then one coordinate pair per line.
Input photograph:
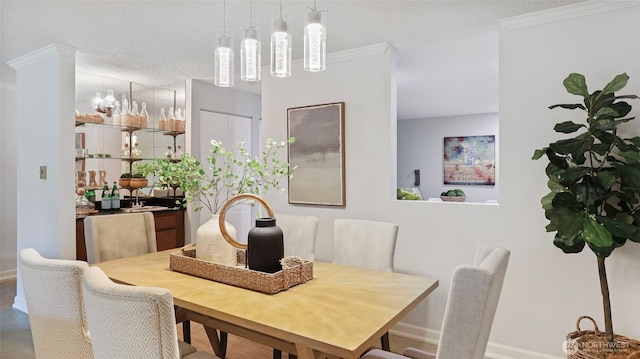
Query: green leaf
x,y
573,244
567,146
617,228
567,127
576,84
572,175
618,83
569,106
629,175
606,112
635,141
600,148
571,224
555,160
538,153
602,252
596,234
628,96
554,185
632,156
622,108
547,201
606,179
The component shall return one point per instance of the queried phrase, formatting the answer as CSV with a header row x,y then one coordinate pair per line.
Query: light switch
x,y
43,172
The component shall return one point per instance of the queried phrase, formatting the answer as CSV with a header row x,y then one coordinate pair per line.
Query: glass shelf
x,y
129,128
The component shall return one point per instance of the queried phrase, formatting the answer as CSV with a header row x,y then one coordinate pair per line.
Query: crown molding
x,y
563,13
51,50
351,54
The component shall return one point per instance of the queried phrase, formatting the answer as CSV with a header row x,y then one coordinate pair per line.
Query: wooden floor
x,y
237,348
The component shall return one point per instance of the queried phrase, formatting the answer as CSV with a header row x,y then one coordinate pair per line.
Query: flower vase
x,y
211,245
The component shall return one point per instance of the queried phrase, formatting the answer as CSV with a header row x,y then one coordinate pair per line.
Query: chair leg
x,y
384,341
277,354
291,356
186,331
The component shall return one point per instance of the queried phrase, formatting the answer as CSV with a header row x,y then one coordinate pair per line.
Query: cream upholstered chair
x,y
124,235
53,290
364,244
471,307
300,234
119,235
132,322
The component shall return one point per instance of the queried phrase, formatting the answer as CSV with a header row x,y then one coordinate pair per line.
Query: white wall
x,y
8,179
536,54
545,290
420,146
203,95
368,137
45,210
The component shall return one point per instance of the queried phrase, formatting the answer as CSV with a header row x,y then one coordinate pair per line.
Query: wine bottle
x,y
105,203
91,195
115,197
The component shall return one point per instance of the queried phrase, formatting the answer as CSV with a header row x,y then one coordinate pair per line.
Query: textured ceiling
x,y
441,44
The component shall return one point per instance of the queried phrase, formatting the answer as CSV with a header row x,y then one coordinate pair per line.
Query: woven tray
x,y
186,262
592,344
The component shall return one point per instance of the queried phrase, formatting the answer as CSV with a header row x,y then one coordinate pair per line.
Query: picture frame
x,y
318,154
469,160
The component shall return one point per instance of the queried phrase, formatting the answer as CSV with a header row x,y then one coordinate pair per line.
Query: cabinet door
x,y
229,130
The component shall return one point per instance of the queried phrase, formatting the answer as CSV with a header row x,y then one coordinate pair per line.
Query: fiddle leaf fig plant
x,y
594,178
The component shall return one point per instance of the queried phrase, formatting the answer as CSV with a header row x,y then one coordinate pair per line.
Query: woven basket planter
x,y
453,198
592,344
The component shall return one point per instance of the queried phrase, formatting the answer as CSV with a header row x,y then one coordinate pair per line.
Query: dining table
x,y
341,313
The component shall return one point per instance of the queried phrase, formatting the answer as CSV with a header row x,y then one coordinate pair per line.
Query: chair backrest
x,y
129,321
300,234
53,291
119,235
365,244
471,307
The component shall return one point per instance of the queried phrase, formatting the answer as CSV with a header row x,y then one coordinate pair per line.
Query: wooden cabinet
x,y
169,231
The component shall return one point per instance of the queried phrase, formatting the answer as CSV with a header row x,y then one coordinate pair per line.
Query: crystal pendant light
x,y
223,73
315,38
280,48
250,49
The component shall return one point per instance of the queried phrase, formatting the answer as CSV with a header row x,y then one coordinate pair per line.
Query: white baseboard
x,y
494,350
8,274
20,304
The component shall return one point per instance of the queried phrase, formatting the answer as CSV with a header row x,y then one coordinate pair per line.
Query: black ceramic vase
x,y
265,246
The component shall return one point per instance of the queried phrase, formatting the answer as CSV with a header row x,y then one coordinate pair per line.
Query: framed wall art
x,y
470,160
317,154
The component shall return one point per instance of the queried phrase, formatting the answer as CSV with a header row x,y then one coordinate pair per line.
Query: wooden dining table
x,y
341,313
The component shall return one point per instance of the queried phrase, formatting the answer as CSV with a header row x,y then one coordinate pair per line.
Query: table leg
x,y
384,342
218,343
304,352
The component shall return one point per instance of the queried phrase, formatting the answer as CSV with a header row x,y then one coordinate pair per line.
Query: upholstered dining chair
x,y
471,307
132,322
53,291
125,235
119,235
300,234
365,244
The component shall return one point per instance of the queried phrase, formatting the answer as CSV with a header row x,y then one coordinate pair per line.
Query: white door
x,y
230,130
